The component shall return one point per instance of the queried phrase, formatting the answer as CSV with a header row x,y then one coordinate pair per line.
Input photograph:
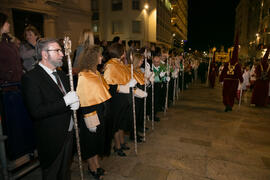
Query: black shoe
x,y
101,171
124,147
95,174
119,152
228,108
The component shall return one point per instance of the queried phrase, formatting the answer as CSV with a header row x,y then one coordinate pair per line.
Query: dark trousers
x,y
60,168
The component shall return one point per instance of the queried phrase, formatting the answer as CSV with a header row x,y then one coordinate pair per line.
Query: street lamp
x,y
146,6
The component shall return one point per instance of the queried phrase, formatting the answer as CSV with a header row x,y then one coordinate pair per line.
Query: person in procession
x,y
230,76
47,95
261,86
212,72
160,80
139,95
117,75
94,96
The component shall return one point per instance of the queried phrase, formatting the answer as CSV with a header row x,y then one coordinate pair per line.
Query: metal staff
x,y
67,46
144,102
210,60
183,78
167,87
174,90
133,106
177,86
153,85
240,98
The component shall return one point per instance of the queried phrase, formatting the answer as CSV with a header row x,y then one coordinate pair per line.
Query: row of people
x,y
105,103
103,99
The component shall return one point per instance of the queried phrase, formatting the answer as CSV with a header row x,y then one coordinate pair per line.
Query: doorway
x,y
22,19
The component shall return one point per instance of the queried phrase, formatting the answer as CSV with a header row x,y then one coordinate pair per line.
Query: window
x,y
117,27
95,16
136,26
94,5
117,5
95,28
136,4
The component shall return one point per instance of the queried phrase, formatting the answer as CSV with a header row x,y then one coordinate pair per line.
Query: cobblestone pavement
x,y
196,140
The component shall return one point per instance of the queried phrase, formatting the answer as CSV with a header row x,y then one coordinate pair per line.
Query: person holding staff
x,y
118,75
47,96
94,95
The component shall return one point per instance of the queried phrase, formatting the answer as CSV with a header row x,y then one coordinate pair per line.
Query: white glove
x,y
148,54
162,74
168,79
132,83
75,106
147,67
93,129
140,93
175,74
148,73
71,97
152,78
92,122
124,89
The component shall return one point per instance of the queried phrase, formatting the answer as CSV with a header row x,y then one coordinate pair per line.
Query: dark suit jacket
x,y
48,110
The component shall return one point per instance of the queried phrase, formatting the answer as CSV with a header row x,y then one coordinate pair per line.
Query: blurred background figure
x,y
27,48
86,39
10,62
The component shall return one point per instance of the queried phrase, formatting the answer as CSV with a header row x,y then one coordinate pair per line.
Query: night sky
x,y
211,23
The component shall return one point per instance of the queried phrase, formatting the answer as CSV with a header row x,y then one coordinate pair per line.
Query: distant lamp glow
x,y
173,34
257,34
146,6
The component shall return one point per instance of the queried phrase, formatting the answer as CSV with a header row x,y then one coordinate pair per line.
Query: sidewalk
x,y
196,140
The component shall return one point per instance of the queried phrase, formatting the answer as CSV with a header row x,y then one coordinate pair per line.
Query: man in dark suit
x,y
49,101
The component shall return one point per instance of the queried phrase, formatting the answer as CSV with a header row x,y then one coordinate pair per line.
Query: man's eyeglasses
x,y
57,50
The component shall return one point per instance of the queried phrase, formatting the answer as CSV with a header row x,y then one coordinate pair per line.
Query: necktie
x,y
58,80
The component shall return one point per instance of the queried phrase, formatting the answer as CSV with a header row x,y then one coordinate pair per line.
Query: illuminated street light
x,y
146,6
257,34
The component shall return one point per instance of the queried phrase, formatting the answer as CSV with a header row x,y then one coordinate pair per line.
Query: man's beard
x,y
55,63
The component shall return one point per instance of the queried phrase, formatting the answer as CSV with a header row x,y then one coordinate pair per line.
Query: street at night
x,y
135,90
197,140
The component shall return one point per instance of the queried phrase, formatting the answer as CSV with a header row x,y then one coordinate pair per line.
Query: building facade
x,y
145,21
53,18
179,21
252,22
162,22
